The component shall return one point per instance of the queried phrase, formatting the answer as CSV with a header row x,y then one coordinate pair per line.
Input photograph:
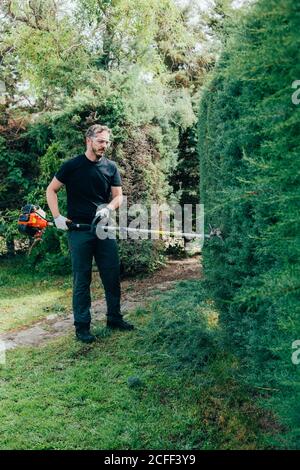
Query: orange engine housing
x,y
31,222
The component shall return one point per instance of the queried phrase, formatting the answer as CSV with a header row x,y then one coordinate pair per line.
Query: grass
x,y
27,296
165,385
69,396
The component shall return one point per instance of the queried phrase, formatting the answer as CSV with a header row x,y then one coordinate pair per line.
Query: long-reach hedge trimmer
x,y
33,222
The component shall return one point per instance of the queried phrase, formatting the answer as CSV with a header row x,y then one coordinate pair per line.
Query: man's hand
x,y
103,213
61,222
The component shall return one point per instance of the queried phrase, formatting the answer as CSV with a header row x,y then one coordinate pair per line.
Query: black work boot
x,y
119,324
83,334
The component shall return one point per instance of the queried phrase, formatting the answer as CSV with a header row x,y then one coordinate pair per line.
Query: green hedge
x,y
249,156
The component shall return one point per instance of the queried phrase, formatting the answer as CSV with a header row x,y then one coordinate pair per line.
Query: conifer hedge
x,y
249,163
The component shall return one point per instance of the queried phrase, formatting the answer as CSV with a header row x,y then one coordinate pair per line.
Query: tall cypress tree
x,y
249,153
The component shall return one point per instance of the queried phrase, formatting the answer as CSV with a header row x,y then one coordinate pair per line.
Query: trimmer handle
x,y
78,227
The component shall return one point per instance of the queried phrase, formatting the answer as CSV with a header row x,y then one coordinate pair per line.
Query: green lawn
x,y
112,395
27,296
145,389
162,386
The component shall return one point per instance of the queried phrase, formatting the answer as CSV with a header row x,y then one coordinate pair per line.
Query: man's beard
x,y
98,153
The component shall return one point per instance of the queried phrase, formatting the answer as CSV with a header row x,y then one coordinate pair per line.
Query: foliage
x,y
140,256
17,171
248,143
130,65
44,49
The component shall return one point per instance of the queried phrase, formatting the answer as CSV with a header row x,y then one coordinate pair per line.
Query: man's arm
x,y
51,195
117,197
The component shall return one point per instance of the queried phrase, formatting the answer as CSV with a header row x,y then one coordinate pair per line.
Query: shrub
x,y
249,148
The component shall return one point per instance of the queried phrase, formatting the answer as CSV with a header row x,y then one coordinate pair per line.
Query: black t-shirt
x,y
88,185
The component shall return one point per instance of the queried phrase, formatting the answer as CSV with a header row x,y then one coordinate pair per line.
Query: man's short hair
x,y
96,129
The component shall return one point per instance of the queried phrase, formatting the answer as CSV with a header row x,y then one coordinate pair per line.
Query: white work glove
x,y
60,222
103,213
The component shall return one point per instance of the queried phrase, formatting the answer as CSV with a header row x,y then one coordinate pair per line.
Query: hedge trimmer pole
x,y
33,222
155,232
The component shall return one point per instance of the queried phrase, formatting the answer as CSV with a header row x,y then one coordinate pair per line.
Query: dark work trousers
x,y
84,246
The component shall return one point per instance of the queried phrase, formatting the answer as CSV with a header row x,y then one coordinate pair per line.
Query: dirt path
x,y
135,293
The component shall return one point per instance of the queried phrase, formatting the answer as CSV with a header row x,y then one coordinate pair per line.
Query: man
x,y
90,178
